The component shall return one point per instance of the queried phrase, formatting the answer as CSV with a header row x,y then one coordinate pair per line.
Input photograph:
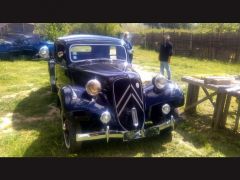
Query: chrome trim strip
x,y
124,105
107,133
123,96
137,102
137,94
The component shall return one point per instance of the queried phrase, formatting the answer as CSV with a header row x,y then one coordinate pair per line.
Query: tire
x,y
69,133
53,88
53,85
167,131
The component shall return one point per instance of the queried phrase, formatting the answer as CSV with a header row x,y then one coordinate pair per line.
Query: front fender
x,y
75,99
170,94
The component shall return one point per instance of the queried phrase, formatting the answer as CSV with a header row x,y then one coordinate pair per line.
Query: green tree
x,y
218,27
53,30
110,29
170,25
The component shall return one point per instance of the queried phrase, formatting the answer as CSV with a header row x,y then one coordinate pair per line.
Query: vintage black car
x,y
102,97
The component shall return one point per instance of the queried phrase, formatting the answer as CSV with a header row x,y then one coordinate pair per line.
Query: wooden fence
x,y
224,46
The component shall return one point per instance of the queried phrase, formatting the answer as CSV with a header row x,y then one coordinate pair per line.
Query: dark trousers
x,y
130,58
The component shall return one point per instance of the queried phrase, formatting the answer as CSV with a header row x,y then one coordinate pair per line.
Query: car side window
x,y
113,52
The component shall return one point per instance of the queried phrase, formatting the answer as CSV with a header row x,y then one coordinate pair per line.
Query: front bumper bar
x,y
126,135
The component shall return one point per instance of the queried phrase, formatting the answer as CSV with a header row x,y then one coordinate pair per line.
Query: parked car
x,y
8,48
27,45
101,96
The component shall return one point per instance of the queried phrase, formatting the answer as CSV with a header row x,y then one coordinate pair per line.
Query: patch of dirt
x,y
7,120
54,111
21,93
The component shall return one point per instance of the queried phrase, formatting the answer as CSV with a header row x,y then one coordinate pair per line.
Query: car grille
x,y
129,105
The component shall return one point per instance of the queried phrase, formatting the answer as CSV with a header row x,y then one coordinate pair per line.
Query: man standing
x,y
165,53
129,47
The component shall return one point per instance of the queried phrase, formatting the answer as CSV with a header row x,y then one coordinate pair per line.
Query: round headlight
x,y
93,87
44,52
166,109
160,81
105,117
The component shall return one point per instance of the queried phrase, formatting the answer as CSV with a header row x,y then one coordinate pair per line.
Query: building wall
x,y
24,28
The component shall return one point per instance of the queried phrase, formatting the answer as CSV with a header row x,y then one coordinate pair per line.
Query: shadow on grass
x,y
38,113
19,58
197,130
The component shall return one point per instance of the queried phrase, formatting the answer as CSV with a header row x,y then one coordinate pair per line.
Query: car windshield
x,y
86,52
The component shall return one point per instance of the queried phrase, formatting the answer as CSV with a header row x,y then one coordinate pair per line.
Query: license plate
x,y
131,135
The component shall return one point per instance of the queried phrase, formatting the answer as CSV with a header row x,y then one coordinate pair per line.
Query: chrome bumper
x,y
126,135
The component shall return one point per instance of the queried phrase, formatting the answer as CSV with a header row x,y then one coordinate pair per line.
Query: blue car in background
x,y
8,48
14,45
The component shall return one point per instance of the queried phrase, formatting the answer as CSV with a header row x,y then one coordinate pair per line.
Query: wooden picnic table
x,y
224,94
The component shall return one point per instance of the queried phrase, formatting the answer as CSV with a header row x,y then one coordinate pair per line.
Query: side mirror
x,y
44,52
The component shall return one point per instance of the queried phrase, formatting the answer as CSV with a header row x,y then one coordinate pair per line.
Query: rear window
x,y
84,52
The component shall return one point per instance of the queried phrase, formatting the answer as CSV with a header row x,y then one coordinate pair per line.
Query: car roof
x,y
90,39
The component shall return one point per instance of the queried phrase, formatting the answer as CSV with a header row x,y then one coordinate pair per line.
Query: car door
x,y
29,48
61,68
3,49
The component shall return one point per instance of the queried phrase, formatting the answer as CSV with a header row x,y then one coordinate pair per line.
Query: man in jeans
x,y
129,46
165,53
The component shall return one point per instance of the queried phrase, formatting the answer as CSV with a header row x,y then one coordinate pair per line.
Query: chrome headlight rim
x,y
166,108
159,81
93,87
105,117
44,52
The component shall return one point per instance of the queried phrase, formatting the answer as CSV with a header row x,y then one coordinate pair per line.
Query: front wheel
x,y
53,85
167,131
69,133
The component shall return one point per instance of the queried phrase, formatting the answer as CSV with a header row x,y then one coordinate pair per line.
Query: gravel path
x,y
145,75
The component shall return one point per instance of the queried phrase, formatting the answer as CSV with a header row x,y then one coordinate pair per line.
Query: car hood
x,y
105,71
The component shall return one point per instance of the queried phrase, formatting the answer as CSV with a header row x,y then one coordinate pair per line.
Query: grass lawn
x,y
30,124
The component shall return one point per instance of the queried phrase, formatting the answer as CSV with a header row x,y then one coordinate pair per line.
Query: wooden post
x,y
145,42
218,110
190,45
225,112
192,97
237,117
